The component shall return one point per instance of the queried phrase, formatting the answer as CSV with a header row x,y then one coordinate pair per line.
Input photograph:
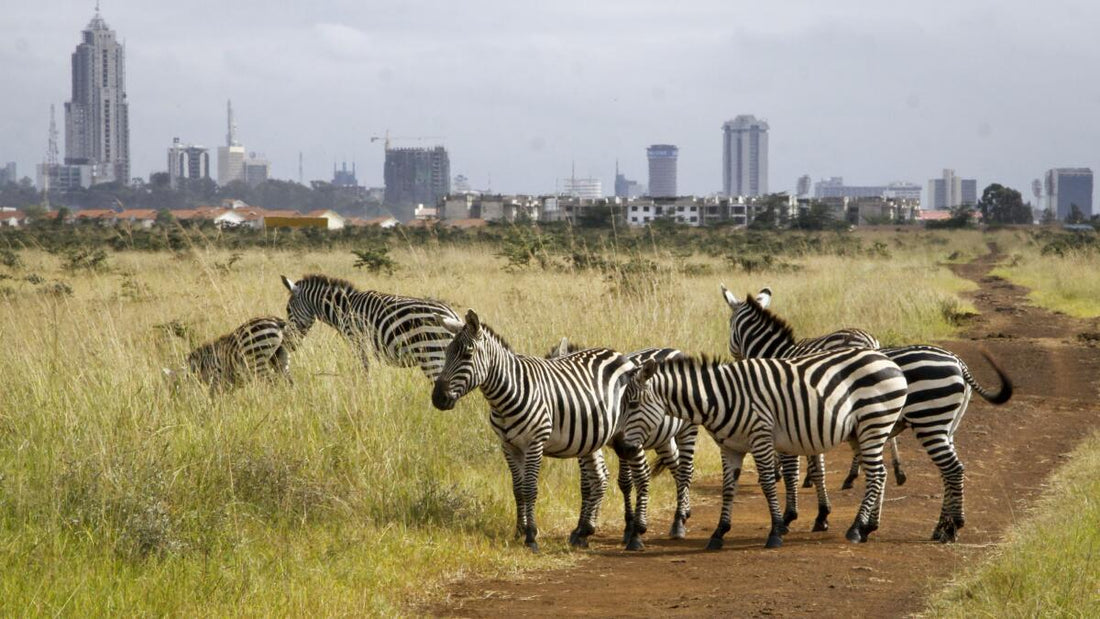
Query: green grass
x,y
1069,284
1050,564
345,493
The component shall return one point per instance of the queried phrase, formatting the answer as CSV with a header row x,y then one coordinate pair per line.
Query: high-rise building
x,y
802,189
7,174
950,191
662,170
187,161
626,188
834,187
97,118
344,178
586,188
255,169
230,156
1069,187
745,156
415,176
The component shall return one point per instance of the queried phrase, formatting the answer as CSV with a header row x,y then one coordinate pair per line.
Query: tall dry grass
x,y
344,492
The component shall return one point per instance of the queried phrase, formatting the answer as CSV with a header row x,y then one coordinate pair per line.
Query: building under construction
x,y
415,176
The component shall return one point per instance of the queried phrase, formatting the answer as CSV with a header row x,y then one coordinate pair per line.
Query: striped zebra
x,y
940,386
802,406
259,347
672,439
403,331
566,407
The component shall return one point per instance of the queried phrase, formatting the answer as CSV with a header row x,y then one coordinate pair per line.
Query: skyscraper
x,y
97,119
745,156
230,156
950,191
1069,187
803,188
187,161
662,170
415,176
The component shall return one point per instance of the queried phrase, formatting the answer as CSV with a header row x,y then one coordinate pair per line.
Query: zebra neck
x,y
503,369
770,345
696,395
338,311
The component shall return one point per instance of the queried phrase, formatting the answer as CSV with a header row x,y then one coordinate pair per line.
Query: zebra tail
x,y
999,397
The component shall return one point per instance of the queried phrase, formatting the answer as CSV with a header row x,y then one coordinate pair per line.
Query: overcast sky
x,y
1000,91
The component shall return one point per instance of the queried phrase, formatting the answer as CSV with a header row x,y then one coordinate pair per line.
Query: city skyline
x,y
517,103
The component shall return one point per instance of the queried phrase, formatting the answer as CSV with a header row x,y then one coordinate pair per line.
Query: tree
x,y
817,216
165,218
1048,217
1003,205
1075,215
772,213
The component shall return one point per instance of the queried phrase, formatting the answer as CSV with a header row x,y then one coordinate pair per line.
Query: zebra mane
x,y
769,317
570,348
496,336
689,362
328,282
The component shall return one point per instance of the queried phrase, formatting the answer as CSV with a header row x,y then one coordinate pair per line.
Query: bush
x,y
374,259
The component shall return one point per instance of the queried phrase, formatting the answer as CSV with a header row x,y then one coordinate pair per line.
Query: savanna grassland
x,y
346,492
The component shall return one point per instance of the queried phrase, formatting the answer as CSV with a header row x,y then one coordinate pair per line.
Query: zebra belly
x,y
799,444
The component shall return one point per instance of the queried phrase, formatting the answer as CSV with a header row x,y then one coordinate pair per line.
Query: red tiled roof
x,y
465,223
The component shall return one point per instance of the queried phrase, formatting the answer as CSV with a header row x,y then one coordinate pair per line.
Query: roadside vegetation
x,y
1061,269
346,492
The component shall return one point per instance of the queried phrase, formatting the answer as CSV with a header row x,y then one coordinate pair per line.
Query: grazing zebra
x,y
940,386
674,441
566,407
259,347
802,406
404,331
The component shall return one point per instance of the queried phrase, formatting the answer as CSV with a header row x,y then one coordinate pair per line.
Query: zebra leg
x,y
685,469
811,462
731,472
789,467
639,472
899,474
824,508
514,457
625,484
874,470
532,463
853,471
593,487
763,451
942,450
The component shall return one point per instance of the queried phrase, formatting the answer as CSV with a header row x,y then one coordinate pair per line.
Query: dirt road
x,y
1009,451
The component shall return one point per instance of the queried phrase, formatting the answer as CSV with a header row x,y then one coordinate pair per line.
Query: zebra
x,y
940,386
258,347
771,342
566,407
403,331
674,441
801,406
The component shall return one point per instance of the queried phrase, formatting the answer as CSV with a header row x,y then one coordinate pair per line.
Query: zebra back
x,y
247,350
403,331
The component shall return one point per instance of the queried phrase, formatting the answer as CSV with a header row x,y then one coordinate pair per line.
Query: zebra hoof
x,y
714,544
678,530
899,478
635,544
808,482
821,524
533,547
853,535
774,541
790,516
848,482
628,532
577,540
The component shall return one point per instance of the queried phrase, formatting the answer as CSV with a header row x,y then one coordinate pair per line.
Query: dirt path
x,y
1009,451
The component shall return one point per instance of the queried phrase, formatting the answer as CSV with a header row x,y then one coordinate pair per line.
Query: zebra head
x,y
642,410
299,309
466,364
745,323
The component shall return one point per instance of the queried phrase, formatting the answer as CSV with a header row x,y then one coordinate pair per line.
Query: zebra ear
x,y
563,347
473,322
764,298
648,369
291,286
730,299
451,325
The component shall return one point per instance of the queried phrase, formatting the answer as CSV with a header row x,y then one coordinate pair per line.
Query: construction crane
x,y
387,137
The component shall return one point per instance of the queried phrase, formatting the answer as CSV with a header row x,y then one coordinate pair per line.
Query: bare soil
x,y
1009,451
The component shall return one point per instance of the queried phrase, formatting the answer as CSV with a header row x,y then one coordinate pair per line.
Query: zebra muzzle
x,y
442,398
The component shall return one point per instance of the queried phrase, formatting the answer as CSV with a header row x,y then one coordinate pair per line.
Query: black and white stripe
x,y
671,438
940,386
566,407
802,406
403,331
259,347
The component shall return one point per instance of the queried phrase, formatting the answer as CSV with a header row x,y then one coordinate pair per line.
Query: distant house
x,y
104,217
12,218
466,224
381,222
138,217
933,215
335,220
